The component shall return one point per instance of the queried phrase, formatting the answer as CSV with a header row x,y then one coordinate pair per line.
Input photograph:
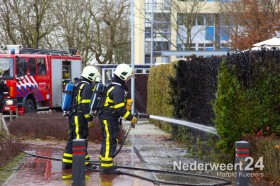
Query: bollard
x,y
78,165
242,150
11,116
16,112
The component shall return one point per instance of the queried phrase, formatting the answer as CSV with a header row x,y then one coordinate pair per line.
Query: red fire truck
x,y
36,77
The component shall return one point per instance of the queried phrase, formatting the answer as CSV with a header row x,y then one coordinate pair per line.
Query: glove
x,y
134,120
90,124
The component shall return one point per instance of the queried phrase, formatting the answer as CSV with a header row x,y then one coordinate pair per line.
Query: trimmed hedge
x,y
159,98
239,95
52,126
244,99
183,90
193,89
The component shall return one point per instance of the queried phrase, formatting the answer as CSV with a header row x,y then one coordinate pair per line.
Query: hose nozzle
x,y
143,115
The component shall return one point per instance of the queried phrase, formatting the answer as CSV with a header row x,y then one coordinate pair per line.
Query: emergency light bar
x,y
14,49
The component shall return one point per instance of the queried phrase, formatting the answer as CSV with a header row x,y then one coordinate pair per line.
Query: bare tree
x,y
97,28
251,21
111,29
70,14
187,20
182,17
94,27
27,22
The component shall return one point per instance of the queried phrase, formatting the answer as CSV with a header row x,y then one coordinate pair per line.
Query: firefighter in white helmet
x,y
113,110
79,114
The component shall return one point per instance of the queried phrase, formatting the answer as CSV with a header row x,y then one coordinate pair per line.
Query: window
x,y
147,46
210,33
139,71
210,20
32,66
224,21
180,47
209,45
225,46
66,69
200,19
7,66
148,20
148,33
224,32
41,66
21,66
201,46
160,17
147,58
167,5
181,19
159,46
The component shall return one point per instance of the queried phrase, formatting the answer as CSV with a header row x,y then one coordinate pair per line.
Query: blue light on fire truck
x,y
13,51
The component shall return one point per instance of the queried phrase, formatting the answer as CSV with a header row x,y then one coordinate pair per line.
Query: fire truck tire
x,y
29,106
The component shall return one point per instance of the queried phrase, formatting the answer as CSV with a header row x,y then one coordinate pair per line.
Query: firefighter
x,y
110,115
79,114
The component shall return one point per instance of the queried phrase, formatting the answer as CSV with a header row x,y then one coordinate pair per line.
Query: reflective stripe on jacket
x,y
116,100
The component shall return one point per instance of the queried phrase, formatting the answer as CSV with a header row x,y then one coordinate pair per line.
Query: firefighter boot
x,y
109,170
66,165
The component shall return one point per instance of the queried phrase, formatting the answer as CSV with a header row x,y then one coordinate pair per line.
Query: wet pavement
x,y
146,147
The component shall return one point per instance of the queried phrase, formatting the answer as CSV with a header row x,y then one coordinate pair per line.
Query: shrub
x,y
50,126
266,145
9,149
158,93
247,98
227,109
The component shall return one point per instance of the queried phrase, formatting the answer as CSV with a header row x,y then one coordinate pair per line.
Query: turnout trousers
x,y
78,129
110,131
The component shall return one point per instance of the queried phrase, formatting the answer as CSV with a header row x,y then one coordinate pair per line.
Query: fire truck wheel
x,y
30,106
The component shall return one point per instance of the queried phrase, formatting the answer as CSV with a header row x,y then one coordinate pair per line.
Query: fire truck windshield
x,y
7,68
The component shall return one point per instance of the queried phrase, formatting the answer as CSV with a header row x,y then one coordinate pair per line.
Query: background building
x,y
162,25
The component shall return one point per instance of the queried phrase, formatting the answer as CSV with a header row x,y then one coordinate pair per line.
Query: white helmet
x,y
123,71
90,73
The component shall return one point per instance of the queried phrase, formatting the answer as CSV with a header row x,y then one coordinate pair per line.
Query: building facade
x,y
176,25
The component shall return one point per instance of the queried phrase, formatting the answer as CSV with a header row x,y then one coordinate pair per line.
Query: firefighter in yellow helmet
x,y
113,110
79,114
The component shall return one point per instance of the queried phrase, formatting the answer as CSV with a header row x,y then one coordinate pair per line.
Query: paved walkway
x,y
147,146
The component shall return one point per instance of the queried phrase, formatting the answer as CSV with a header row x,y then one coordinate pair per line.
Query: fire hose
x,y
154,181
138,115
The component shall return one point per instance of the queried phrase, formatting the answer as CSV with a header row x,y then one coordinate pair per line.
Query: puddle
x,y
38,171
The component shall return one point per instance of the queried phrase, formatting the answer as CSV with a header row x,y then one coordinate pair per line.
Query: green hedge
x,y
227,110
245,99
158,99
248,97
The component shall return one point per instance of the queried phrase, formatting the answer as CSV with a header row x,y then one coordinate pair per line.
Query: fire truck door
x,y
76,66
43,80
56,92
